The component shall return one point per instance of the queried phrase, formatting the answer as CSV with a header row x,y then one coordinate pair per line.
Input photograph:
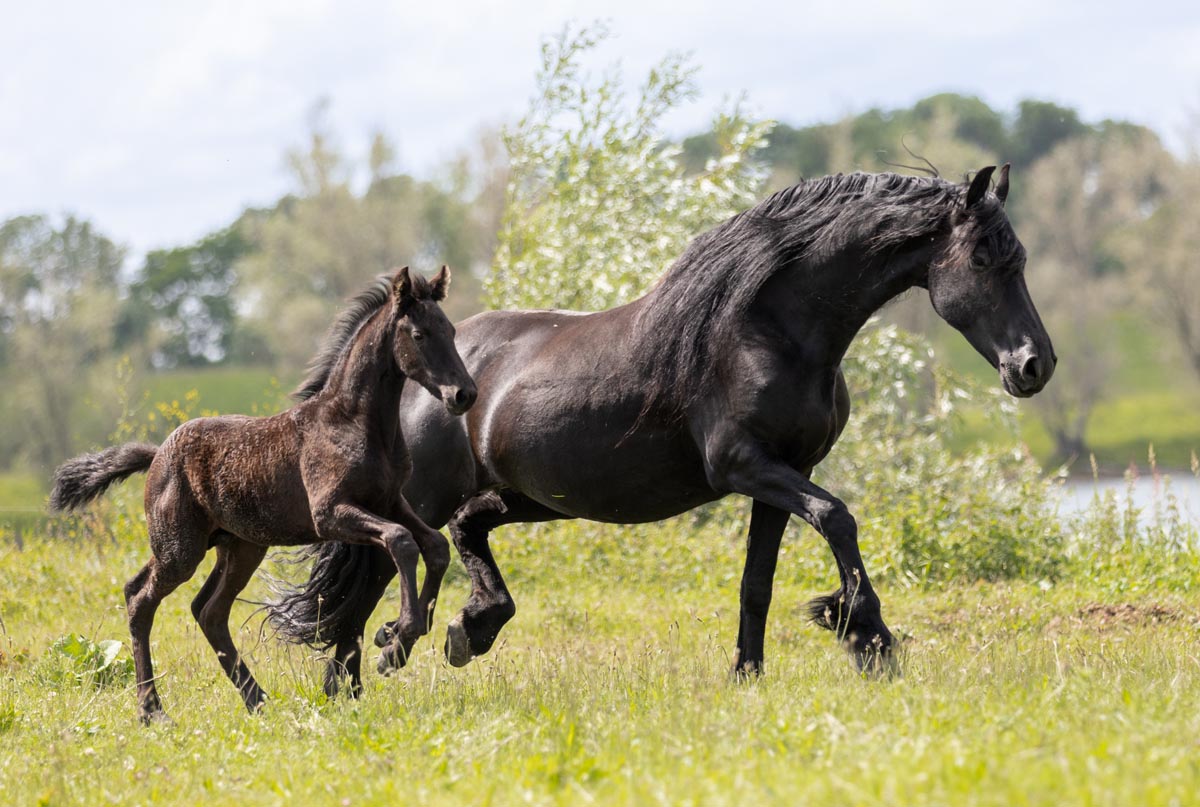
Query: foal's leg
x,y
762,551
474,629
853,610
236,562
435,551
352,524
163,574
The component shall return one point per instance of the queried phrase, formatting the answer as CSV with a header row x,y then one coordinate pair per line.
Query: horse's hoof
x,y
875,660
458,647
393,658
155,717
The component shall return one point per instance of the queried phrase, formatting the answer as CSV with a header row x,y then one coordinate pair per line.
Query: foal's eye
x,y
417,336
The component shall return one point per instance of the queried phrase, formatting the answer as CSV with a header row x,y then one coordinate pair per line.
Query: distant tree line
x,y
1109,217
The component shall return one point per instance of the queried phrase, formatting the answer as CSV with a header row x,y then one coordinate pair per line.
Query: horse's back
x,y
559,419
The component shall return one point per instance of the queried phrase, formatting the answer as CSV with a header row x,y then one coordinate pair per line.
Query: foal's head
x,y
977,284
423,339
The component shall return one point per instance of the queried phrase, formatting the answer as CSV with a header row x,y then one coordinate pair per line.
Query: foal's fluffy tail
x,y
78,481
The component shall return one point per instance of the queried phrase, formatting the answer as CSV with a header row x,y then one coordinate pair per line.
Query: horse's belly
x,y
606,475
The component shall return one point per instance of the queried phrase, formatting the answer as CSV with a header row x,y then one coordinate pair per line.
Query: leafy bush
x,y
95,662
598,203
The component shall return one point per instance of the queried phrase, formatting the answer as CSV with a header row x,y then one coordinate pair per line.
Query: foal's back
x,y
241,474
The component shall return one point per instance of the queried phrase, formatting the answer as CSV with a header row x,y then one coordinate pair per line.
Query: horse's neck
x,y
367,382
822,306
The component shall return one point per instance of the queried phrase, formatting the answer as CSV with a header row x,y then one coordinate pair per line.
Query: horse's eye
x,y
417,336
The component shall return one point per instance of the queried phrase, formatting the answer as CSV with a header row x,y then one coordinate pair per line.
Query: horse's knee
x,y
437,553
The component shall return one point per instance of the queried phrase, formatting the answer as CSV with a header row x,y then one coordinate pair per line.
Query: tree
x,y
1077,198
58,301
598,205
1165,252
1039,127
186,295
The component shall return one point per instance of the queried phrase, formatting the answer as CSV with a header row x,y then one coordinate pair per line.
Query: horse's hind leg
x,y
474,629
347,655
236,563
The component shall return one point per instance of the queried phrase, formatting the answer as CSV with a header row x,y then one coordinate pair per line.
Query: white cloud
x,y
161,121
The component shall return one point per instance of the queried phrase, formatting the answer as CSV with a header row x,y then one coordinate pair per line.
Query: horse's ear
x,y
1002,184
979,186
402,288
440,284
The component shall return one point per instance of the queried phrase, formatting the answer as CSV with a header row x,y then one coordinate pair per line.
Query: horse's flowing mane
x,y
341,333
706,293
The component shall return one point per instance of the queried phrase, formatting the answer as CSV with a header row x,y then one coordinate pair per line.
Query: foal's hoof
x,y
458,647
383,636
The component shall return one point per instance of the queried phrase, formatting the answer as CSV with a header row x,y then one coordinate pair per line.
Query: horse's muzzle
x,y
1024,372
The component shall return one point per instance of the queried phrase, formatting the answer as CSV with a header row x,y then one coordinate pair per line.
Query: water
x,y
1147,491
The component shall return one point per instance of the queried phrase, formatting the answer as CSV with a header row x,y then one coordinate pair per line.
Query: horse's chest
x,y
797,422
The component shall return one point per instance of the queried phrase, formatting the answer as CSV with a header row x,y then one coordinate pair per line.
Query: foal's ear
x,y
979,186
402,288
440,284
1002,184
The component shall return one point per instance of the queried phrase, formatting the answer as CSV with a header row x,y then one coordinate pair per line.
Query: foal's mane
x,y
706,293
345,328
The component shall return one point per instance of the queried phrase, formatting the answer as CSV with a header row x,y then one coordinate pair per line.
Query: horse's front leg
x,y
767,524
853,610
344,521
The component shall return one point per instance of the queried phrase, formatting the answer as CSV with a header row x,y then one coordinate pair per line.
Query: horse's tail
x,y
322,611
78,481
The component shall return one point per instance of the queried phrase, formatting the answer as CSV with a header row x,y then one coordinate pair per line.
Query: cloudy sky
x,y
161,121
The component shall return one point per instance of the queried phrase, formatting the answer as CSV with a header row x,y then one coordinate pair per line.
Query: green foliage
x,y
598,204
186,295
97,663
58,297
611,687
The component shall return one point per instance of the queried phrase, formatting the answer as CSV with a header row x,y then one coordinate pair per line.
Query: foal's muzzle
x,y
458,399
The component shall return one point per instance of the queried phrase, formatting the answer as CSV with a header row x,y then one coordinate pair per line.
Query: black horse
x,y
725,378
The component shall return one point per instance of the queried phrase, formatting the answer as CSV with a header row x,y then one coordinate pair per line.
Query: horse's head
x,y
423,340
977,284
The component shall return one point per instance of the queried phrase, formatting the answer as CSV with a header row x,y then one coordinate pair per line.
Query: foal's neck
x,y
366,381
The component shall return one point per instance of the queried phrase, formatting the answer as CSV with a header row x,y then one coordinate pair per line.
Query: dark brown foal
x,y
329,469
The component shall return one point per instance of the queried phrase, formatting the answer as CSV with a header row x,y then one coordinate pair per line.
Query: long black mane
x,y
705,294
341,333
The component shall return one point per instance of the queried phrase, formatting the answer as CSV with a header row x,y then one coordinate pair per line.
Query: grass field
x,y
611,687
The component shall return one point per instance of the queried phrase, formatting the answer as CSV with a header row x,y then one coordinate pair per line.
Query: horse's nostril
x,y
1030,369
463,397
